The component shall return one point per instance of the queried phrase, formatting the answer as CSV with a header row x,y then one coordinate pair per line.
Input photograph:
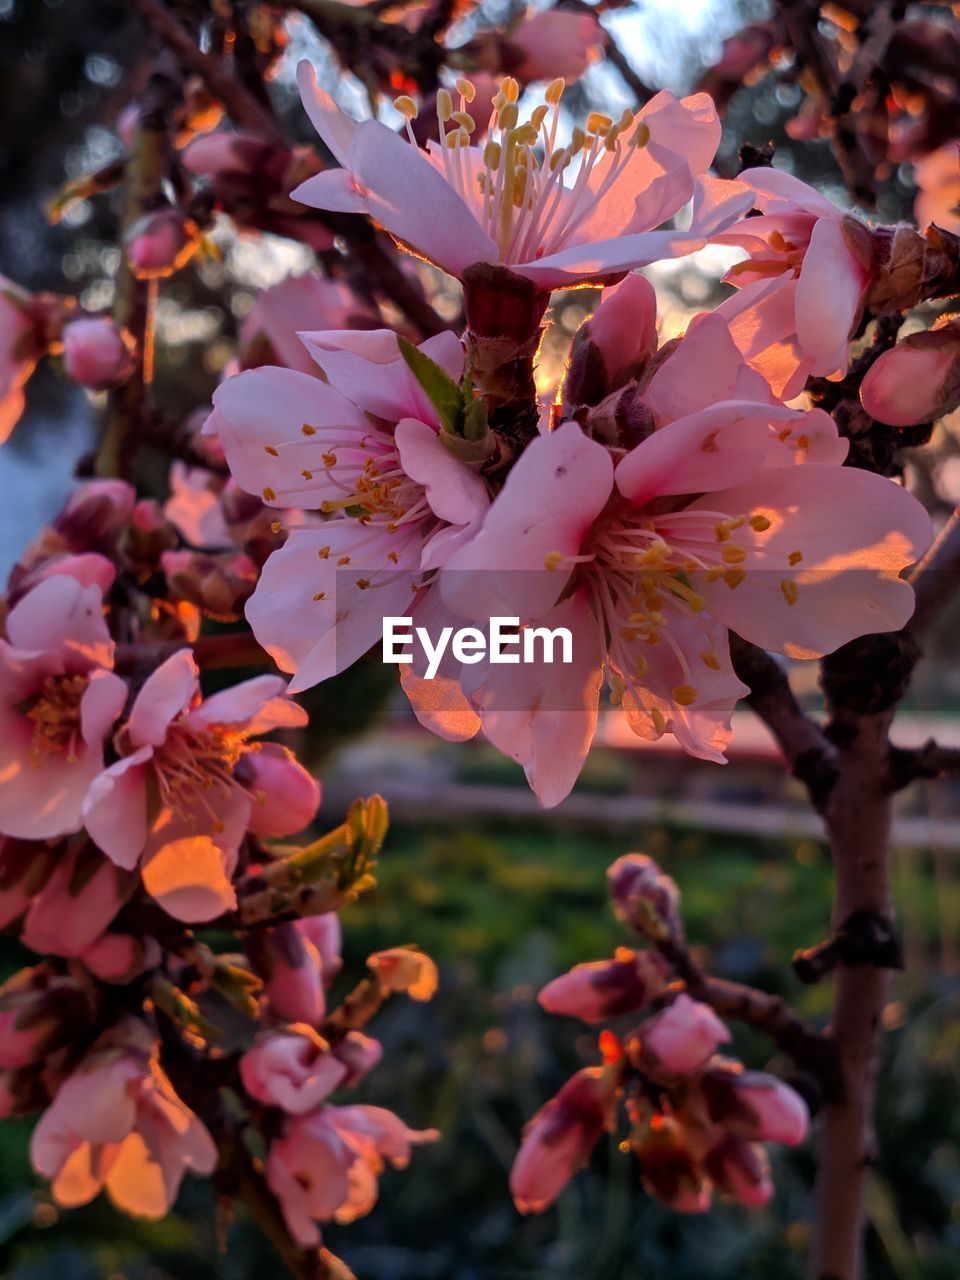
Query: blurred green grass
x,y
502,911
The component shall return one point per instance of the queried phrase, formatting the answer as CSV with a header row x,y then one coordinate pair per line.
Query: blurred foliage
x,y
502,911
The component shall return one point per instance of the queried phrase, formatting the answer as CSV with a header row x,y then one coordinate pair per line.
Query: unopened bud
x,y
910,267
678,1041
95,513
292,973
96,354
146,537
211,154
612,347
160,243
558,1141
644,897
918,380
405,970
607,988
220,585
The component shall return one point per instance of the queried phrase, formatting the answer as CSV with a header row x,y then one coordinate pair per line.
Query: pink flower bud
x,y
643,896
558,1141
740,1170
291,969
119,958
406,970
160,243
96,354
359,1053
325,934
557,43
754,1106
917,380
614,343
220,585
285,796
25,867
95,513
77,903
682,1039
607,988
293,1069
220,151
146,537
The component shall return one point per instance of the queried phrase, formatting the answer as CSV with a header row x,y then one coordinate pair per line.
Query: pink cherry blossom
x,y
96,354
753,1105
917,380
269,334
559,216
802,287
682,1038
194,507
325,1165
557,42
120,957
558,1141
58,701
21,346
294,1069
707,524
407,970
116,1124
183,751
75,906
606,988
399,497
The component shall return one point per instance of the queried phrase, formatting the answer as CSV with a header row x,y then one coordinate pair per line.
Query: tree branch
x,y
906,765
812,757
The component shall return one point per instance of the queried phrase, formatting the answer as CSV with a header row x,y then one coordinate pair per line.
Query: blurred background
x,y
503,896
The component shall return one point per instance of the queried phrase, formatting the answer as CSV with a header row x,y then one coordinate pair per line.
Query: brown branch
x,y
241,104
213,653
906,765
801,21
134,307
812,757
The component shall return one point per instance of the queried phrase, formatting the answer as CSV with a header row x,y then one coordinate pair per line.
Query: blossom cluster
x,y
134,811
698,1121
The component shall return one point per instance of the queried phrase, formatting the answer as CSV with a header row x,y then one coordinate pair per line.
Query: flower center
x,y
516,183
55,715
194,767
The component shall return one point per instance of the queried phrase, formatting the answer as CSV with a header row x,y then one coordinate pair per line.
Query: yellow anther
x,y
626,119
641,135
466,89
577,140
555,91
406,106
803,442
538,115
329,458
491,155
444,105
276,526
268,448
324,553
713,575
508,116
659,719
610,142
760,524
320,595
457,138
553,560
710,660
795,557
733,577
363,583
525,135
685,695
342,561
308,430
269,495
393,557
598,123
510,89
789,590
641,666
558,160
733,555
464,120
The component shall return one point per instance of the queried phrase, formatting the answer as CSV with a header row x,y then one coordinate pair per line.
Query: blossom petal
x,y
166,694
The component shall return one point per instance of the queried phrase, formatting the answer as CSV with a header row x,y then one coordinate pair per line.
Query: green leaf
x,y
445,396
